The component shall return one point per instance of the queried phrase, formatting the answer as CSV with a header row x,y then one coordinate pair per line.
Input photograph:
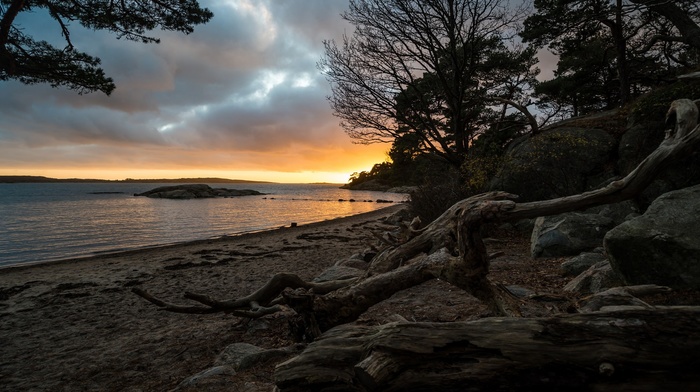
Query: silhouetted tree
x,y
422,67
638,35
30,61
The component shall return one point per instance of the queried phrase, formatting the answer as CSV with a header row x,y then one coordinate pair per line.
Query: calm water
x,y
43,222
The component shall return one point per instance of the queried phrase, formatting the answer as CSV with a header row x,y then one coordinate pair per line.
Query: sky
x,y
239,98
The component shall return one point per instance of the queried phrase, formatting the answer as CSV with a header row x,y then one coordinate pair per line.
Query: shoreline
x,y
166,246
75,324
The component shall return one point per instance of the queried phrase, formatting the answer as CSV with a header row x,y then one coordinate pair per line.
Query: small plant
x,y
436,195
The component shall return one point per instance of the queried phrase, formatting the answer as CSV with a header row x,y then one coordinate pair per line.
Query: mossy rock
x,y
654,105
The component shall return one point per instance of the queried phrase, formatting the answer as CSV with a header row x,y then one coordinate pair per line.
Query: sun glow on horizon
x,y
301,177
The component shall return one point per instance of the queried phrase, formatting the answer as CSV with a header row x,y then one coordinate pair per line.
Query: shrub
x,y
436,195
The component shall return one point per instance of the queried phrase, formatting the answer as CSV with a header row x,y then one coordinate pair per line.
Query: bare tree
x,y
450,248
419,66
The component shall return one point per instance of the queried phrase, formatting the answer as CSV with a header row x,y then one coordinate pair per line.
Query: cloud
x,y
241,90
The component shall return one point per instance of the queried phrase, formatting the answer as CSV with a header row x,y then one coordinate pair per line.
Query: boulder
x,y
577,265
597,278
618,212
645,131
557,162
662,246
195,191
235,358
568,234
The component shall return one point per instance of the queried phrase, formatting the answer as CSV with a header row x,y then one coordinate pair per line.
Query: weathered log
x,y
651,349
263,301
620,296
454,248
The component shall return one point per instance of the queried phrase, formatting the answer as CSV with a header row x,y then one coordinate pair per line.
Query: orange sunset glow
x,y
322,167
240,98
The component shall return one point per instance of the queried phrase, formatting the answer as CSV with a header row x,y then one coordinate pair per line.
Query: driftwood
x,y
602,350
450,248
644,350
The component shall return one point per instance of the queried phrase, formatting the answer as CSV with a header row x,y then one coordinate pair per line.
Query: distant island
x,y
41,179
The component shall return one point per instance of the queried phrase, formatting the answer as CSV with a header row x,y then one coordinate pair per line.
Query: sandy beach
x,y
75,325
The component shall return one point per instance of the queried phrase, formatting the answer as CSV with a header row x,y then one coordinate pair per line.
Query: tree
x,y
683,14
29,61
586,63
420,67
450,249
632,30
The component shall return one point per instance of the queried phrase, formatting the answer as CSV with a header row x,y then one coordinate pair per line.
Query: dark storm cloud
x,y
241,90
245,80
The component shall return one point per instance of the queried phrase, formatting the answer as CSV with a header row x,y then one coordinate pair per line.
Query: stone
x,y
641,137
618,212
577,265
568,234
520,292
557,162
597,278
662,246
356,261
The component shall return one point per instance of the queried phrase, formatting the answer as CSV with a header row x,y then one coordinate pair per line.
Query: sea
x,y
41,222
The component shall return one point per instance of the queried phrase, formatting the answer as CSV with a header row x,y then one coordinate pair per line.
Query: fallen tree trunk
x,y
450,248
651,349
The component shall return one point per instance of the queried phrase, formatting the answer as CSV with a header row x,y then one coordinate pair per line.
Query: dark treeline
x,y
451,83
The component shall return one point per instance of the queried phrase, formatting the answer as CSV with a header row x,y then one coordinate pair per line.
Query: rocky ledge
x,y
195,191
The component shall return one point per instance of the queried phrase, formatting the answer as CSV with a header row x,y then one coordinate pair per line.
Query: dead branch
x,y
256,304
450,248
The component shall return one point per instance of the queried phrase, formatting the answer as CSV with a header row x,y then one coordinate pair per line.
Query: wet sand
x,y
75,325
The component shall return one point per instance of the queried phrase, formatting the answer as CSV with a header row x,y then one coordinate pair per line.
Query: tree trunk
x,y
450,248
688,28
624,350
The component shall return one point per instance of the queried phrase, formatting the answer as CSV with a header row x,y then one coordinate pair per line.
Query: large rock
x,y
558,162
597,278
663,245
568,234
195,191
578,264
640,140
645,131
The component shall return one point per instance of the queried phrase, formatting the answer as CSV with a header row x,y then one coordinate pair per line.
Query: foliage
x,y
438,193
29,61
555,163
488,153
426,68
627,46
587,65
654,105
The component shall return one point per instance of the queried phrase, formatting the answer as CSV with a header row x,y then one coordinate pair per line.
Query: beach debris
x,y
451,249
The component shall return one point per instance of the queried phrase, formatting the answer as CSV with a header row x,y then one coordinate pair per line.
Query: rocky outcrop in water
x,y
195,191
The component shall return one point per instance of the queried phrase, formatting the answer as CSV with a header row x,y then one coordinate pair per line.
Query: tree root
x,y
450,248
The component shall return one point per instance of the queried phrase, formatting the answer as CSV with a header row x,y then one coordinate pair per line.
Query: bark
x,y
450,248
623,350
688,28
531,120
